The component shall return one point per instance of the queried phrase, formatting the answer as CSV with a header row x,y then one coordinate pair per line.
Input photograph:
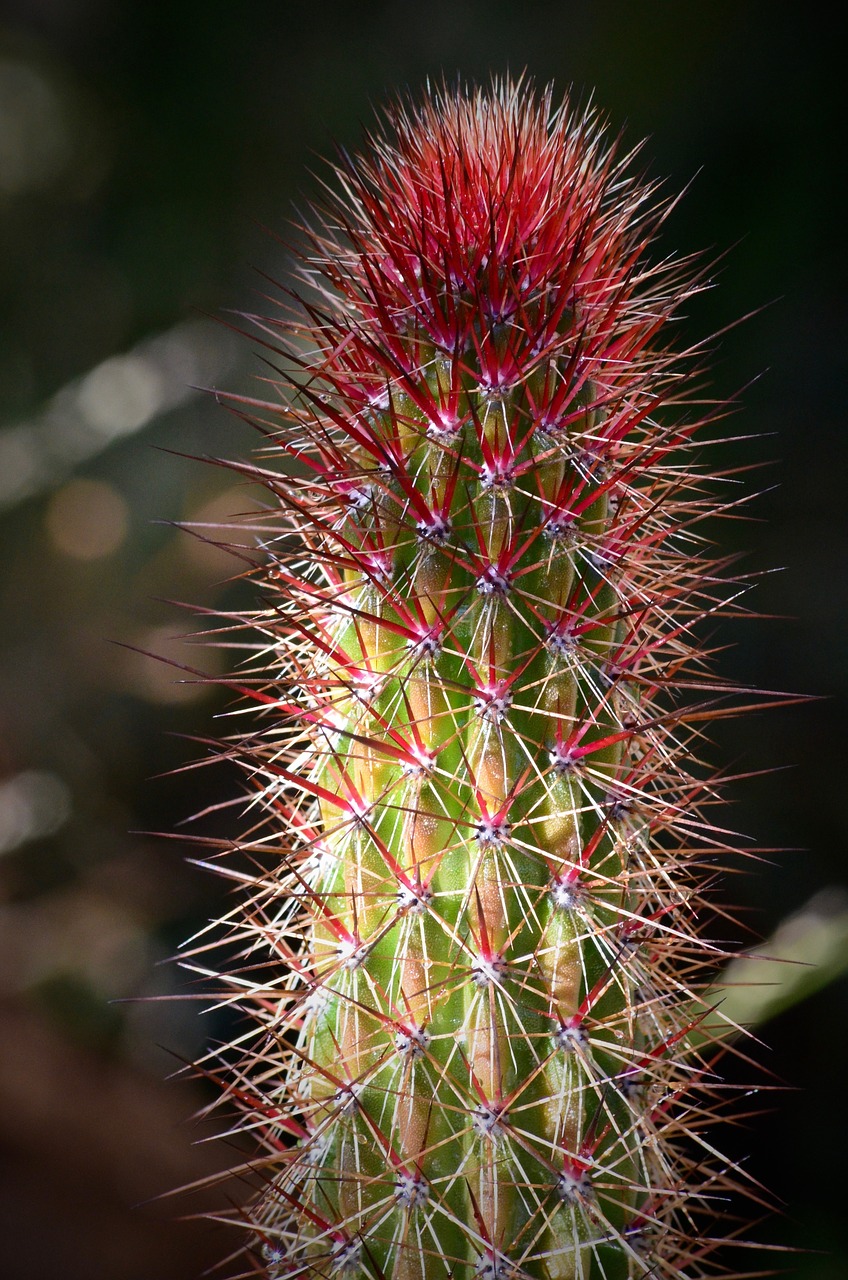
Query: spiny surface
x,y
467,947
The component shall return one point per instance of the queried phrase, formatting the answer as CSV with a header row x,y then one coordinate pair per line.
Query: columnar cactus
x,y
467,947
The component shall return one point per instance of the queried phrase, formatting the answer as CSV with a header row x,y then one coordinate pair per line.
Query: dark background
x,y
143,149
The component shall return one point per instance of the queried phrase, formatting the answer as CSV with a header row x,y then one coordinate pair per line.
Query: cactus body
x,y
469,950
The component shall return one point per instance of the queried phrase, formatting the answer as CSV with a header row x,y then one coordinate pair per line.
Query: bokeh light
x,y
35,146
87,519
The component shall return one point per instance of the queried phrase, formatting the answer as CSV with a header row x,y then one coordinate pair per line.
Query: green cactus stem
x,y
468,948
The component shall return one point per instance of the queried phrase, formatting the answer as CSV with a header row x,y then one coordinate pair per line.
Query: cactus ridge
x,y
467,944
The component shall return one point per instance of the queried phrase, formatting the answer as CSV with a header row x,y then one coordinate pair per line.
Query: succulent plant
x,y
467,948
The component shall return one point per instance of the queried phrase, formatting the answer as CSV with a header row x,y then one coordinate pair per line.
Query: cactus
x,y
467,946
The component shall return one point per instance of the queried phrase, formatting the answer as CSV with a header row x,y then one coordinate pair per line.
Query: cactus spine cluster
x,y
467,945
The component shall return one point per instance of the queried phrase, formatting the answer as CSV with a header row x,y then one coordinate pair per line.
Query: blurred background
x,y
145,147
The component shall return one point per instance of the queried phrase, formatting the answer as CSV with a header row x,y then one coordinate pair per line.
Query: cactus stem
x,y
470,956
